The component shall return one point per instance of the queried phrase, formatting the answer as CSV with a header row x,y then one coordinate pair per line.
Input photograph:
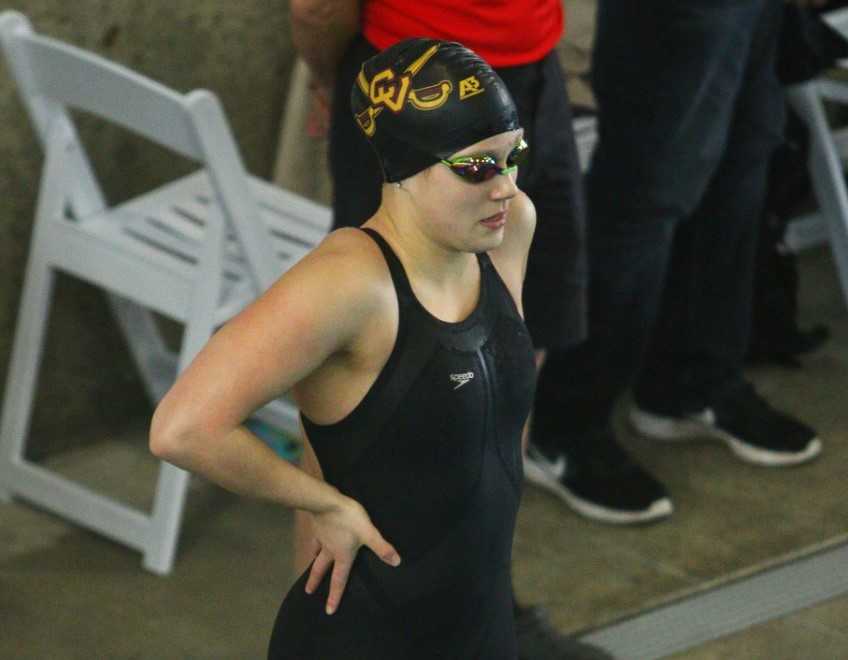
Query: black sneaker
x,y
600,482
744,421
539,640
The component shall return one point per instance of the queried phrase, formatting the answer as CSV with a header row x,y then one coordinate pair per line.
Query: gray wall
x,y
240,50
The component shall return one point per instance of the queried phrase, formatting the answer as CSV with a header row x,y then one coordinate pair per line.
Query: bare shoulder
x,y
320,308
348,248
330,295
347,263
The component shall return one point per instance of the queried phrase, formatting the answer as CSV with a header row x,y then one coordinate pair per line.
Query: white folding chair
x,y
196,250
828,152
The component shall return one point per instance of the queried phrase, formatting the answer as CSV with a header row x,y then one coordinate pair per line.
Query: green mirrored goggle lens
x,y
477,169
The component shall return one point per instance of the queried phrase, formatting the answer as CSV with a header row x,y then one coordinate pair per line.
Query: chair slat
x,y
314,218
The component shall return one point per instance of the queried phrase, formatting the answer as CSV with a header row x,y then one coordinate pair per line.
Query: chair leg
x,y
155,362
172,486
24,365
168,505
827,175
833,199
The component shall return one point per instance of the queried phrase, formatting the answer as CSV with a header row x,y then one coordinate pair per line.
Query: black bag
x,y
775,334
807,47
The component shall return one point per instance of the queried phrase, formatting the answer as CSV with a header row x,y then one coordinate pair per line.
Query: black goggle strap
x,y
518,154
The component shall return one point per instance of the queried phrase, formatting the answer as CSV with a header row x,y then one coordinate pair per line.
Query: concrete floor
x,y
817,633
66,593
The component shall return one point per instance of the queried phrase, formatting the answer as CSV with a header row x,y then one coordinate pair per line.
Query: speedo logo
x,y
461,379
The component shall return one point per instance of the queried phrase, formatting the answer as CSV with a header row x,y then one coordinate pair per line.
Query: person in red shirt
x,y
518,39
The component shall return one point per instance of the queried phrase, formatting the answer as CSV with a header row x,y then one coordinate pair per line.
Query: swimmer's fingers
x,y
319,569
382,548
338,582
314,546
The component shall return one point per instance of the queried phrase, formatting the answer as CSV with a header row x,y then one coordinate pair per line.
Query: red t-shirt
x,y
502,32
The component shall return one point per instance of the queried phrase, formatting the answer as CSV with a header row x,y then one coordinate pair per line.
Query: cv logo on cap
x,y
390,90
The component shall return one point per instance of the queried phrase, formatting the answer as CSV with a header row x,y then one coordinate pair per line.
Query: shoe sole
x,y
662,508
664,429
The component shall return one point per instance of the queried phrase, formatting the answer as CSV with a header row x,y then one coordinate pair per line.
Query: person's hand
x,y
338,535
318,123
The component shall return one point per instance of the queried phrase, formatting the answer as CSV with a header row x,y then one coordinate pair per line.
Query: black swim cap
x,y
422,100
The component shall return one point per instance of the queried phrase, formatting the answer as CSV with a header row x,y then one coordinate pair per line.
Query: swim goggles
x,y
477,169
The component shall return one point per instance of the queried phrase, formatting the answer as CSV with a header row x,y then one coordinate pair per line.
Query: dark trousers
x,y
555,284
690,111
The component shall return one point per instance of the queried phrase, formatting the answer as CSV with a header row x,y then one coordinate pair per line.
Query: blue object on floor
x,y
283,446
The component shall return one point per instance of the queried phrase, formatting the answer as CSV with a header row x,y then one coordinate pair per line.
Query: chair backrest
x,y
53,76
838,20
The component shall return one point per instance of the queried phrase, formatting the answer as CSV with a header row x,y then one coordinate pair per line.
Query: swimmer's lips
x,y
495,221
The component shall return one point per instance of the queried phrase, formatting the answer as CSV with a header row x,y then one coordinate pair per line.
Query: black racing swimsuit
x,y
433,454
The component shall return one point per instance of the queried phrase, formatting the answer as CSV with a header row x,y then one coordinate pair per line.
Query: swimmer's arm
x,y
312,312
304,543
321,30
510,257
315,310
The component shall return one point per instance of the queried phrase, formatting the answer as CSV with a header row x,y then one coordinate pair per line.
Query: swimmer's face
x,y
470,216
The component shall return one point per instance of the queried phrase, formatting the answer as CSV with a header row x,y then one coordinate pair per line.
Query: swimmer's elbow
x,y
170,438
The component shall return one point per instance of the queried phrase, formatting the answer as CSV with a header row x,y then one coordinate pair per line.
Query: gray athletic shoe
x,y
539,640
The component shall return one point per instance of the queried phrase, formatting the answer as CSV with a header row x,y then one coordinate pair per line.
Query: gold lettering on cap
x,y
389,91
367,120
418,64
470,86
432,96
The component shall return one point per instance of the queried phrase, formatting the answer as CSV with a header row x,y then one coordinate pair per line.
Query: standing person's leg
x,y
692,383
555,284
702,329
666,80
554,295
